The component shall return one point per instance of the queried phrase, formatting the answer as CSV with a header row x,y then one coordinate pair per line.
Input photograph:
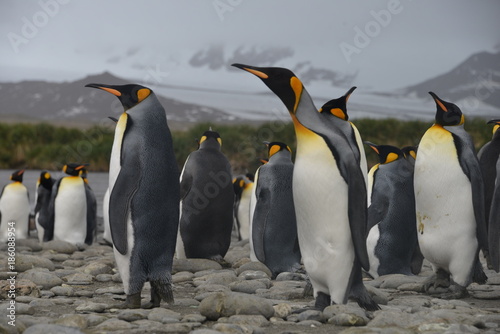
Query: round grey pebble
x,y
49,328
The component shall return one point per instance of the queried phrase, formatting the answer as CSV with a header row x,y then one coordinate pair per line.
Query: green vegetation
x,y
43,146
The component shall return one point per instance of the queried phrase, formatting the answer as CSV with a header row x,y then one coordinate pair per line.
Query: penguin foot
x,y
132,301
220,260
322,301
440,279
455,292
154,302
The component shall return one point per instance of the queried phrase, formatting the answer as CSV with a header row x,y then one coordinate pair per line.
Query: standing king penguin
x,y
392,237
207,199
449,202
42,200
68,208
242,186
274,226
14,208
488,157
144,195
329,191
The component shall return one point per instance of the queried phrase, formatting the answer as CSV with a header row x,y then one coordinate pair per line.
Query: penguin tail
x,y
364,300
478,275
163,288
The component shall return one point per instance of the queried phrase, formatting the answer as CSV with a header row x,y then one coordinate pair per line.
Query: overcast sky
x,y
417,40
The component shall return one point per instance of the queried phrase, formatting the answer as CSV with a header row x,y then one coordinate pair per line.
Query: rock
x,y
164,315
84,293
226,304
90,307
253,275
53,329
117,278
58,257
25,262
79,279
104,278
390,318
347,319
312,315
63,291
41,278
487,295
380,297
254,266
248,320
288,276
21,308
395,280
282,310
133,314
194,265
195,317
114,325
94,319
240,262
73,263
205,331
73,320
350,308
118,290
41,303
310,323
33,244
247,286
220,278
416,287
235,255
23,287
96,268
60,246
186,302
232,328
182,276
204,288
30,320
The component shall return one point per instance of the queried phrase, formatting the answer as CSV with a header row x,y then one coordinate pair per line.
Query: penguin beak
x,y
373,146
493,121
252,69
106,88
114,119
266,143
81,166
349,92
439,102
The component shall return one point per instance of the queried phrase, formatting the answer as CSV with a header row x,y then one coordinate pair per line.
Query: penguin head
x,y
386,153
83,174
275,147
17,176
73,169
210,139
447,114
338,107
239,185
281,81
45,180
410,152
496,126
129,95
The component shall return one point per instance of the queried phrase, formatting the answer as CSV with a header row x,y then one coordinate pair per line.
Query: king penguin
x,y
91,208
329,191
207,198
14,209
242,186
144,195
42,201
68,207
106,235
494,223
449,202
274,226
392,236
488,157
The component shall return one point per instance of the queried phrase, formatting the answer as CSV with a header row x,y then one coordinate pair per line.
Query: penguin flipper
x,y
91,215
49,225
123,191
494,226
259,223
379,203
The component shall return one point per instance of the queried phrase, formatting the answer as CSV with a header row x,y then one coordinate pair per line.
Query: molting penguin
x,y
243,188
14,208
207,198
91,209
274,226
42,200
449,201
68,208
329,191
392,236
488,157
144,195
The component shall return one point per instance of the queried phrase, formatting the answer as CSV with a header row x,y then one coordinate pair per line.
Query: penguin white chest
x,y
70,219
14,207
321,207
244,212
446,224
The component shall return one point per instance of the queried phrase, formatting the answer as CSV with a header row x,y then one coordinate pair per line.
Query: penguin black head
x,y
281,81
447,113
338,107
410,151
46,180
386,153
74,169
129,95
17,176
210,138
275,147
496,126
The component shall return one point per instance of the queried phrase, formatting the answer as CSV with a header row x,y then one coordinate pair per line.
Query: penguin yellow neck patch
x,y
495,128
297,89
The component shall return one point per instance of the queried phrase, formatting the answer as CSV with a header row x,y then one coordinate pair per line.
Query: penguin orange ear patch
x,y
143,93
273,150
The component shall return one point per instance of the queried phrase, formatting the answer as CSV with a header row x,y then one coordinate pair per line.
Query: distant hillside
x,y
477,78
71,102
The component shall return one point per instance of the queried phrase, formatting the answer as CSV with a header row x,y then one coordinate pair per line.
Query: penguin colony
x,y
321,212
